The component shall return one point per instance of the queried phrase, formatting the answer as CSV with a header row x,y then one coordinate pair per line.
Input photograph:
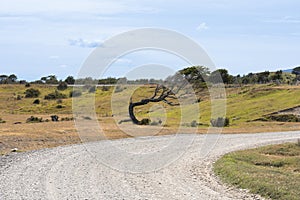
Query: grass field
x,y
271,171
244,105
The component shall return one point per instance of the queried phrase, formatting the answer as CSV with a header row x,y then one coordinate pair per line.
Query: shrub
x,y
27,85
67,119
59,106
59,101
284,118
37,101
220,122
54,118
33,119
55,95
105,88
32,93
2,121
87,118
70,80
19,97
75,93
92,89
194,123
145,121
62,85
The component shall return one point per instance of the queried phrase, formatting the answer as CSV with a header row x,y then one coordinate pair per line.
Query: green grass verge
x,y
271,171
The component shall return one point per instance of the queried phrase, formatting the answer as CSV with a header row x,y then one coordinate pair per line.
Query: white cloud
x,y
202,27
85,43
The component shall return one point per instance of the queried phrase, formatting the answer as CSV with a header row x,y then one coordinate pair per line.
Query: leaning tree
x,y
173,88
161,94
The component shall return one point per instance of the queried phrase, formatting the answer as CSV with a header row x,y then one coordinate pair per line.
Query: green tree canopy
x,y
296,70
70,80
195,73
221,75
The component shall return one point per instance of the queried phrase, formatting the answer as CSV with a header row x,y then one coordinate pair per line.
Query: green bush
x,y
67,119
105,88
92,89
33,119
194,123
284,118
87,118
145,121
59,101
62,85
55,95
19,97
32,93
59,106
220,122
2,121
37,101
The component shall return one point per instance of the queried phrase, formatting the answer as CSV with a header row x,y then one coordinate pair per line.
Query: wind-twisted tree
x,y
161,93
172,89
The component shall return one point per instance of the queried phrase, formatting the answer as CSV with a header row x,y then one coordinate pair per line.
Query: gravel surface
x,y
84,172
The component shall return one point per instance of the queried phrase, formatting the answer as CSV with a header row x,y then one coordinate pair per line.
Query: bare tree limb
x,y
161,94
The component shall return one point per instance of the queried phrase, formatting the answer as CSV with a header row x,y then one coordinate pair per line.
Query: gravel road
x,y
78,172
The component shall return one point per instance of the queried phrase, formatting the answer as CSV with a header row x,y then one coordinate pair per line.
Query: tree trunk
x,y
131,110
164,94
131,114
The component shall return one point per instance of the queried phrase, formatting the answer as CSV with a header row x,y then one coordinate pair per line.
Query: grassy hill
x,y
244,106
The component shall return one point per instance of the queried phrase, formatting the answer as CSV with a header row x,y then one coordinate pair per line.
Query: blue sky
x,y
42,37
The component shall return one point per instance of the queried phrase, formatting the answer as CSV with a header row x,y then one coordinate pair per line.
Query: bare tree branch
x,y
161,93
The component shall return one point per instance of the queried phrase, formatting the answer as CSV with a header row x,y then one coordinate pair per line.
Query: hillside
x,y
248,108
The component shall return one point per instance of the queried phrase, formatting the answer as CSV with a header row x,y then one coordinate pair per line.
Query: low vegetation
x,y
220,122
33,119
36,101
283,118
62,85
271,171
245,104
2,121
55,95
32,93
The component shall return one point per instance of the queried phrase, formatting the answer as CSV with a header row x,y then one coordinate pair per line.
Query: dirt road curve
x,y
73,172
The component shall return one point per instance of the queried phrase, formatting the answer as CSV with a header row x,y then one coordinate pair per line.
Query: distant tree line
x,y
8,79
197,75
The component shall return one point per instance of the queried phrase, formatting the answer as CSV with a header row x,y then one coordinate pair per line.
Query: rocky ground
x,y
164,167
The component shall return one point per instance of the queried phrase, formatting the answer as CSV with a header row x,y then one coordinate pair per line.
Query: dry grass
x,y
243,105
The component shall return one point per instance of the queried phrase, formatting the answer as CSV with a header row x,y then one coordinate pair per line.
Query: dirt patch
x,y
25,137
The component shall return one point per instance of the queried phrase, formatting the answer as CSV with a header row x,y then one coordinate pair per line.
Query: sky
x,y
43,37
